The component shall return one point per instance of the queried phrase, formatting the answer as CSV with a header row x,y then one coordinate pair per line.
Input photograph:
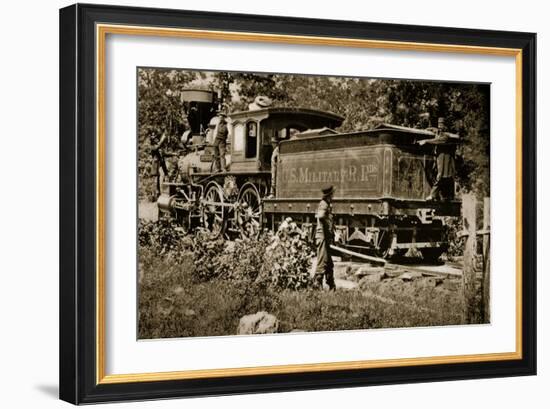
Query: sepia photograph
x,y
273,203
255,203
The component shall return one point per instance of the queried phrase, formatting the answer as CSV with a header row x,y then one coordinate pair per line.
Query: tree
x,y
159,110
240,89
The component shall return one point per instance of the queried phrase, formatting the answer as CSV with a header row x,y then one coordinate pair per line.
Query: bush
x,y
278,261
244,260
161,236
453,227
206,256
287,262
269,261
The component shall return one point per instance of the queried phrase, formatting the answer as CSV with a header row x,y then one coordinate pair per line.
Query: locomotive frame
x,y
380,208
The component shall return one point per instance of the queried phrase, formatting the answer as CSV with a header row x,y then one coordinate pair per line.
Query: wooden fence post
x,y
486,278
469,273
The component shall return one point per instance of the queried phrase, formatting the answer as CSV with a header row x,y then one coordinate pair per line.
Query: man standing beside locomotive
x,y
220,142
324,236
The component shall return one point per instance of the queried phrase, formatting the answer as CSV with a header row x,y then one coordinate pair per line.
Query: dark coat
x,y
222,133
324,221
445,163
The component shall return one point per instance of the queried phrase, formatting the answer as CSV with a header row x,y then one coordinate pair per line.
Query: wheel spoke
x,y
251,213
214,211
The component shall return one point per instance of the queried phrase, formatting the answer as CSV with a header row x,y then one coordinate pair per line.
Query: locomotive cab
x,y
253,132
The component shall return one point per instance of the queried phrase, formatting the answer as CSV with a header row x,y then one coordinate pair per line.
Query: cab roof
x,y
324,118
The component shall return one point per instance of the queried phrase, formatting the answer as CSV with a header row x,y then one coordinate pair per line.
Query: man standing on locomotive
x,y
324,236
443,188
157,159
220,142
444,150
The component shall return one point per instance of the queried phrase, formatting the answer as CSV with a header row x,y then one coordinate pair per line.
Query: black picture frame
x,y
78,236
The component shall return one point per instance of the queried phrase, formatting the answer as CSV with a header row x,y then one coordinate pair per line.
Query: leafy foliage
x,y
278,262
161,236
159,110
287,262
206,253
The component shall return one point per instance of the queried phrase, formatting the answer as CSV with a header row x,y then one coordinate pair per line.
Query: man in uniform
x,y
172,149
220,142
324,235
157,160
444,150
443,188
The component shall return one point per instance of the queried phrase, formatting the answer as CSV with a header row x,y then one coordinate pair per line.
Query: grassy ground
x,y
173,304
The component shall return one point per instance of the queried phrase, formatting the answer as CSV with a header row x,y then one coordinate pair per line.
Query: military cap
x,y
328,190
222,110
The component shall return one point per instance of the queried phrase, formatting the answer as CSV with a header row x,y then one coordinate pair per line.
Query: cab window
x,y
287,133
238,137
251,139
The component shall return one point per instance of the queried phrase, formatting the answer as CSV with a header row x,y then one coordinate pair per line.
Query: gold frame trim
x,y
101,32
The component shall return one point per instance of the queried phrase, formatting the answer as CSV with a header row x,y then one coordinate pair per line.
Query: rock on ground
x,y
410,276
259,323
345,284
371,278
368,270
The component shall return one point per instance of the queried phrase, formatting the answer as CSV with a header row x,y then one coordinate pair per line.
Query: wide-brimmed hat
x,y
328,190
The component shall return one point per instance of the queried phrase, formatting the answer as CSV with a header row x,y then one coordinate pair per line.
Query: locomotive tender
x,y
382,178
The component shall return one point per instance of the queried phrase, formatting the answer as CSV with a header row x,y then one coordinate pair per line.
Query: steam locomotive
x,y
382,177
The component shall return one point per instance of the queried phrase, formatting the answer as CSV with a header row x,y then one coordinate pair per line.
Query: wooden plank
x,y
423,271
358,255
469,273
486,278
